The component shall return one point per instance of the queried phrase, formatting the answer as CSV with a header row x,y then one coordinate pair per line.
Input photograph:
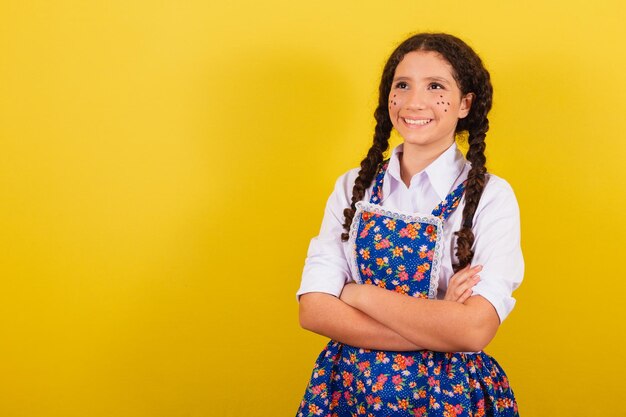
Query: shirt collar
x,y
442,172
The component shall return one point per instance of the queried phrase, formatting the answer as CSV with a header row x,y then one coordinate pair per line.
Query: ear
x,y
466,105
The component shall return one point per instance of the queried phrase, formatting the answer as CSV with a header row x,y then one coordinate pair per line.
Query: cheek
x,y
443,102
393,102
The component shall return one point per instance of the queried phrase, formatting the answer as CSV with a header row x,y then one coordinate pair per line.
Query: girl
x,y
410,343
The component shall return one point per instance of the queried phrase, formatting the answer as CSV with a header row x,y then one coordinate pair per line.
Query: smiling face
x,y
425,102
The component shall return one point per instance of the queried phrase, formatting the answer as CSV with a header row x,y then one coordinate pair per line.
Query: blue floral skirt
x,y
349,381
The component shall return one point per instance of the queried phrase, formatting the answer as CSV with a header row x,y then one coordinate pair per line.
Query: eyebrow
x,y
434,78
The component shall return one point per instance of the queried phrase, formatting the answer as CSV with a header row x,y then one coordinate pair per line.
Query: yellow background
x,y
163,166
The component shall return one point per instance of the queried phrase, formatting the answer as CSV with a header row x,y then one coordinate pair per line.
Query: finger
x,y
472,273
467,285
460,275
475,269
467,294
468,271
463,278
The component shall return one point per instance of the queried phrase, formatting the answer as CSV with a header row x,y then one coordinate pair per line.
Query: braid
x,y
370,164
382,131
477,81
473,191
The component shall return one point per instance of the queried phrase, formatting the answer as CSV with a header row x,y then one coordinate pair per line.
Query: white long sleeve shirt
x,y
496,229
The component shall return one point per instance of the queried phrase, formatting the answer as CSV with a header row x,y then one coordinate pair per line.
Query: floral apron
x,y
402,253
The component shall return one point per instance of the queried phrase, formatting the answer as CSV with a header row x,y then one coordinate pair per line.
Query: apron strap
x,y
451,202
377,192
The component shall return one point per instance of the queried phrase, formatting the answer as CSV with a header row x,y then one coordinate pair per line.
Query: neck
x,y
415,159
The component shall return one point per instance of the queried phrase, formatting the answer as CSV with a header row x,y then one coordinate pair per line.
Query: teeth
x,y
417,122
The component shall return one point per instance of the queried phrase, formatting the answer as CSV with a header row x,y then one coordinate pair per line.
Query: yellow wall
x,y
164,165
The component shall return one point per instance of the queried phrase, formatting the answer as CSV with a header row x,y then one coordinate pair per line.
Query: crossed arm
x,y
370,317
375,318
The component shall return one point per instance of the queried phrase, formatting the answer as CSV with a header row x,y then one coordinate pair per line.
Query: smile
x,y
420,122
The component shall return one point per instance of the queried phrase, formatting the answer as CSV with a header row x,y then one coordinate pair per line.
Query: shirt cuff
x,y
332,285
502,303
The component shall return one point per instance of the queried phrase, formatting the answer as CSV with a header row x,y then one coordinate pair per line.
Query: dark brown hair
x,y
471,77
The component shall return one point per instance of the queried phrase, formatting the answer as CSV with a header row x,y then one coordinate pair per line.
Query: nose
x,y
415,101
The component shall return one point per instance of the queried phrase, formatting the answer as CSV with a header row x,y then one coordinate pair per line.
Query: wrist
x,y
350,294
359,295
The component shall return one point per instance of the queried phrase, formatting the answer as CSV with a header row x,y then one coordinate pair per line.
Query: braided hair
x,y
471,77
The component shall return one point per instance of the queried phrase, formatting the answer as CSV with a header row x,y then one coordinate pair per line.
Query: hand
x,y
461,284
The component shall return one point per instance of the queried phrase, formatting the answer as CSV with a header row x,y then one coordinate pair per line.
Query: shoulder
x,y
498,187
347,178
499,197
344,185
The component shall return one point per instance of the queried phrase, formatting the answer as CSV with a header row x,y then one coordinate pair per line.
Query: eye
x,y
402,85
435,86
